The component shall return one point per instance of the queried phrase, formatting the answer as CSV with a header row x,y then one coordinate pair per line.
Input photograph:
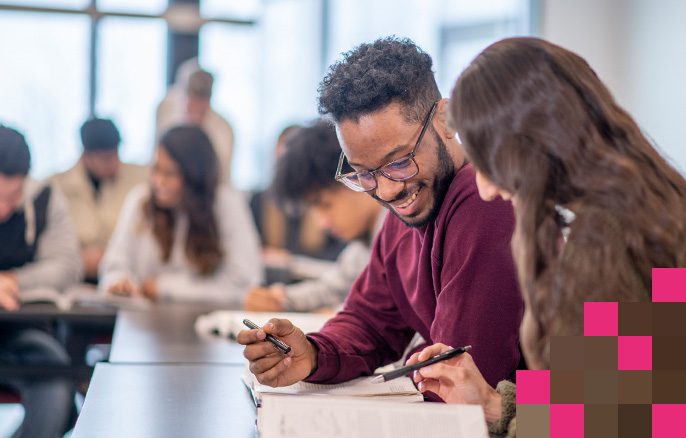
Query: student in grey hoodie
x,y
305,177
39,249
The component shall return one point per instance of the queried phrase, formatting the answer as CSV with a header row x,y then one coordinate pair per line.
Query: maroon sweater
x,y
453,281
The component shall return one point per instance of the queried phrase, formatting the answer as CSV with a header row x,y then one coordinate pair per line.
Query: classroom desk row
x,y
165,381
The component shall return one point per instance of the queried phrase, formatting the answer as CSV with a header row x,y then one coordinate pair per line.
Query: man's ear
x,y
442,120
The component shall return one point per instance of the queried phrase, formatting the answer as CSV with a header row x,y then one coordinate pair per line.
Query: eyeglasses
x,y
401,169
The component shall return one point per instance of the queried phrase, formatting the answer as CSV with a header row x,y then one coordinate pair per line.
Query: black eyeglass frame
x,y
345,178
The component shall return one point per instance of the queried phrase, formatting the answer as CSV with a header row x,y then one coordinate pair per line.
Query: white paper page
x,y
307,417
361,386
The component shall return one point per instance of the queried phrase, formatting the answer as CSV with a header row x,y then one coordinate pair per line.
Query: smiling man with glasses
x,y
441,267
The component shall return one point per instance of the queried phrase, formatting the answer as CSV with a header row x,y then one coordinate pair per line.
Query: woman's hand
x,y
125,288
456,380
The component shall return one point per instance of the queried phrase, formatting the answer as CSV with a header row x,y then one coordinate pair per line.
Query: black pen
x,y
278,343
406,369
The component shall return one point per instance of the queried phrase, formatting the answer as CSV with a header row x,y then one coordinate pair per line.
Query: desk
x,y
48,313
166,401
165,334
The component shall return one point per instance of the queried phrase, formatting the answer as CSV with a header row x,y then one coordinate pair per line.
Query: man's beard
x,y
445,172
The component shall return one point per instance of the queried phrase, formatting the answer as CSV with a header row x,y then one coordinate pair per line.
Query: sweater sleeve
x,y
116,264
58,260
333,284
241,267
369,332
508,395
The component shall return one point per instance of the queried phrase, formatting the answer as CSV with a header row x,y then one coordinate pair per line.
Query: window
x,y
131,72
137,6
44,84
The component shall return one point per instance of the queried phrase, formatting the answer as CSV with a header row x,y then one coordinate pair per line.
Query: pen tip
x,y
377,379
467,348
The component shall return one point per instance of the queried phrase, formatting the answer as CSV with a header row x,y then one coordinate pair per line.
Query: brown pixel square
x,y
669,386
635,387
533,421
635,319
566,387
567,353
669,319
600,353
601,421
669,352
635,421
600,387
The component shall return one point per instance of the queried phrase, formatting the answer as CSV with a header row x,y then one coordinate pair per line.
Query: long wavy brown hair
x,y
537,122
192,151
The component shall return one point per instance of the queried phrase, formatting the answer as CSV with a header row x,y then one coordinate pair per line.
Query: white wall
x,y
638,48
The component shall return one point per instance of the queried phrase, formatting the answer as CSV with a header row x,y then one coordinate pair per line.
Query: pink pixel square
x,y
566,421
635,353
601,319
669,285
533,387
668,420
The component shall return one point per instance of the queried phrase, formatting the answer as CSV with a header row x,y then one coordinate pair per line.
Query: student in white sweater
x,y
183,237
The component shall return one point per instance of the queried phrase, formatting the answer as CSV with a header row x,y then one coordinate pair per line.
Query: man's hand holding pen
x,y
269,365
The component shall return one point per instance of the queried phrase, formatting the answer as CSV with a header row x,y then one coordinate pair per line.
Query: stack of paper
x,y
309,417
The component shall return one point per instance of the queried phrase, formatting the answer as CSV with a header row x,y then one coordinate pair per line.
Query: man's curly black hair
x,y
372,76
309,164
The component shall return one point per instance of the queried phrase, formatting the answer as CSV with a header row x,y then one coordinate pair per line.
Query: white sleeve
x,y
58,260
240,269
333,284
117,262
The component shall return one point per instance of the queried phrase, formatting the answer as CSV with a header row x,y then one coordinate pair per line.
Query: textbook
x,y
314,417
400,390
81,295
227,323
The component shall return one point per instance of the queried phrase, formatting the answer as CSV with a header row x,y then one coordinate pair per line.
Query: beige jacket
x,y
95,218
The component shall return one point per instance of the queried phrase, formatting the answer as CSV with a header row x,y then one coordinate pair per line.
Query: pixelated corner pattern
x,y
626,377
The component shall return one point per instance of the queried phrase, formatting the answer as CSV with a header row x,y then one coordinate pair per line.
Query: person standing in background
x,y
189,102
95,189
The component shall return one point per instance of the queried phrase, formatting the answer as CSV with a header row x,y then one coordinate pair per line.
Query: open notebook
x,y
309,417
81,295
401,389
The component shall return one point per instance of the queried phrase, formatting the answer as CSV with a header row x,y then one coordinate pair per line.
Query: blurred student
x,y
287,232
304,176
39,249
183,237
188,102
596,205
95,189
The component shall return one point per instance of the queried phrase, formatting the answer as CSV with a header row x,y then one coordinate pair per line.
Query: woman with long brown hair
x,y
596,205
184,237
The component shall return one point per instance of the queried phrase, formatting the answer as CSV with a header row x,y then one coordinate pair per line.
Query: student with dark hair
x,y
441,265
596,205
291,238
303,176
184,237
95,189
39,249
